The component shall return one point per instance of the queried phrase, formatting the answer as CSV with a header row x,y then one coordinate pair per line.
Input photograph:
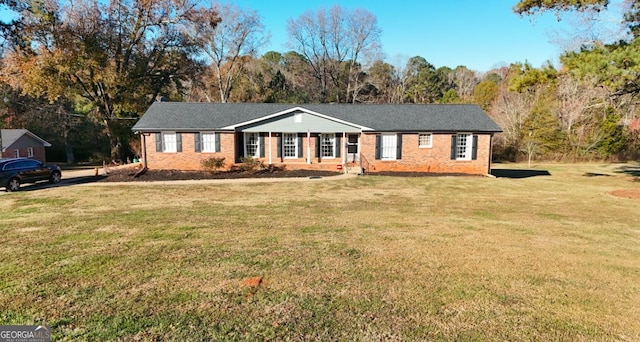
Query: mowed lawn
x,y
371,258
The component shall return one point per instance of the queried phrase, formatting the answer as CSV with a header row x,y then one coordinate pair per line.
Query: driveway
x,y
87,177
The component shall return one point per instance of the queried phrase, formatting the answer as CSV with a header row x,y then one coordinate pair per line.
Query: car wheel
x,y
13,184
55,177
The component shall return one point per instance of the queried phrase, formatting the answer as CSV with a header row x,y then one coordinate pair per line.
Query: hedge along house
x,y
364,137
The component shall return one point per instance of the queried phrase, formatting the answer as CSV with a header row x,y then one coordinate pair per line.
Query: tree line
x,y
80,74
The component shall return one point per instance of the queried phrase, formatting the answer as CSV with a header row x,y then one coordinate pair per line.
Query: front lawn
x,y
537,257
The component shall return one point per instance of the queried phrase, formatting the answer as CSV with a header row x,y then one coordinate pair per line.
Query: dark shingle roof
x,y
9,136
181,116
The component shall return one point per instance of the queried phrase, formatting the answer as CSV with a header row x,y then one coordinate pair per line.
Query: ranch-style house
x,y
451,138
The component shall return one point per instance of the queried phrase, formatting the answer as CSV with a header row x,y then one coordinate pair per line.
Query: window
x,y
327,145
424,140
297,118
29,152
169,142
252,145
208,142
16,153
290,145
463,148
389,146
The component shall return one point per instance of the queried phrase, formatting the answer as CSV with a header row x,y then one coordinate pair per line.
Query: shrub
x,y
213,163
251,164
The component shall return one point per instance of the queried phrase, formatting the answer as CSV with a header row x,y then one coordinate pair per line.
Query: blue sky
x,y
480,34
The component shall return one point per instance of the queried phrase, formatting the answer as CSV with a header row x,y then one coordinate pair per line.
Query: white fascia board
x,y
364,128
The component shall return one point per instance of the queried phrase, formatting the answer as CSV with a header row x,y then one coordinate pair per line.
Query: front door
x,y
353,148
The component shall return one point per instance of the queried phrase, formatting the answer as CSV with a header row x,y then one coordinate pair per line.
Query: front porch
x,y
328,151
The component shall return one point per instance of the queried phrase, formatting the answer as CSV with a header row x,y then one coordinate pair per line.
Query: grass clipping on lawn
x,y
368,258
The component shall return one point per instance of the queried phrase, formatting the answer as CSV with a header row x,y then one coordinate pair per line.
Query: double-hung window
x,y
16,153
425,140
389,146
327,145
208,142
252,145
463,146
30,152
169,142
290,145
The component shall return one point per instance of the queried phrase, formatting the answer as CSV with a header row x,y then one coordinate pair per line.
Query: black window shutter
x,y
279,143
196,142
453,147
240,145
378,147
178,142
318,138
474,151
338,146
300,153
261,146
399,147
216,136
158,142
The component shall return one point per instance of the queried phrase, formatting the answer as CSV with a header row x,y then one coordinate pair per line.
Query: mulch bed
x,y
129,174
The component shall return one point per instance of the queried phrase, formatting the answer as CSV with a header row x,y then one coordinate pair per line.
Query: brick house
x,y
365,137
18,143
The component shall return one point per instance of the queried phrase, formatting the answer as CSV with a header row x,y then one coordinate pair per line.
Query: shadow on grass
x,y
631,170
64,182
518,173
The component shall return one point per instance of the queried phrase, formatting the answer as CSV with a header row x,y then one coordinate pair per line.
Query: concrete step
x,y
353,170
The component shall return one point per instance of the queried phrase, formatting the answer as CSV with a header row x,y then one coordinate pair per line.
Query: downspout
x,y
490,153
144,151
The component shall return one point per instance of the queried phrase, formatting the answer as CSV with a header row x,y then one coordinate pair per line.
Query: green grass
x,y
371,258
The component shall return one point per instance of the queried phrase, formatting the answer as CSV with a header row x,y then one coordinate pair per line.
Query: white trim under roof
x,y
324,116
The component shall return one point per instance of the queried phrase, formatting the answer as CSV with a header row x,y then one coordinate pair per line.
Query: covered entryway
x,y
353,148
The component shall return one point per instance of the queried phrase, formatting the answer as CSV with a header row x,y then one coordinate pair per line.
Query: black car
x,y
15,171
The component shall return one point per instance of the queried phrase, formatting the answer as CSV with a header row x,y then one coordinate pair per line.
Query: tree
x,y
329,39
529,7
113,58
485,93
616,66
541,132
613,139
240,33
465,81
382,77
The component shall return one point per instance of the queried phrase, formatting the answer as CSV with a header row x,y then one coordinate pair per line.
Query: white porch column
x,y
270,160
344,148
308,146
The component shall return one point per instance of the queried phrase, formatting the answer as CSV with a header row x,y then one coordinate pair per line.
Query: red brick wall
x,y
436,159
38,153
188,159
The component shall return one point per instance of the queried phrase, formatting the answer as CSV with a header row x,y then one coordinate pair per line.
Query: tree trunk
x,y
71,158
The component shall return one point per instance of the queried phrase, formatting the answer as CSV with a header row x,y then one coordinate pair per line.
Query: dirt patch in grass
x,y
134,174
630,193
